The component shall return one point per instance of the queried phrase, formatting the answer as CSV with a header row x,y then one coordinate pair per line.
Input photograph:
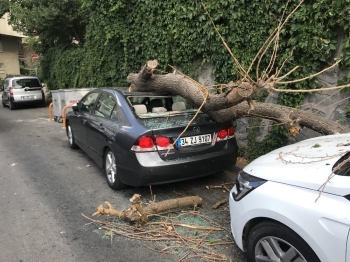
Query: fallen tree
x,y
233,103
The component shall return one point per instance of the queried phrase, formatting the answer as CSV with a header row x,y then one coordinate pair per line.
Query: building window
x,y
2,69
1,48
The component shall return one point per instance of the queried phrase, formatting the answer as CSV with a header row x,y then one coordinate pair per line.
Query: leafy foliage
x,y
4,7
55,22
277,137
121,35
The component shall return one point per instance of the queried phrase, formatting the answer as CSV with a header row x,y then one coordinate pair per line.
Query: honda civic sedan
x,y
293,204
149,138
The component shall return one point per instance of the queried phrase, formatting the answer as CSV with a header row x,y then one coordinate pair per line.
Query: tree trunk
x,y
232,104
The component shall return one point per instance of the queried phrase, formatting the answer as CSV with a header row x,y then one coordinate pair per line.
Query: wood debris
x,y
139,214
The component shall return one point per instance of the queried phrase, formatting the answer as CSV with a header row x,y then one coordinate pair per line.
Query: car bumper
x,y
149,168
325,231
18,100
238,218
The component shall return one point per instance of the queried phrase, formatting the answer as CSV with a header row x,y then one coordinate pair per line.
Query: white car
x,y
288,205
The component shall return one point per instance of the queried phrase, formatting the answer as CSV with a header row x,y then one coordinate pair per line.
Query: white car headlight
x,y
245,184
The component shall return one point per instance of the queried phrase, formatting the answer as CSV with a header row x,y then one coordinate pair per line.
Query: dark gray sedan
x,y
139,139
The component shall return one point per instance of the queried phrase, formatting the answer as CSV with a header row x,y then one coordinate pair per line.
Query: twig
x,y
339,166
219,203
185,256
242,72
305,78
187,225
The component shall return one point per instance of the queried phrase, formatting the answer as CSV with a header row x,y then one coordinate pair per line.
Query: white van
x,y
22,90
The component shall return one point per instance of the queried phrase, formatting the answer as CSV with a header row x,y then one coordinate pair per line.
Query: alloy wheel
x,y
70,135
111,167
274,249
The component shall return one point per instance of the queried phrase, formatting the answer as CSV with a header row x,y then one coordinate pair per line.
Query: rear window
x,y
160,106
25,82
166,111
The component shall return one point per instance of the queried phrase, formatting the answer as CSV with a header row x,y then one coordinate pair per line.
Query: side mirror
x,y
75,107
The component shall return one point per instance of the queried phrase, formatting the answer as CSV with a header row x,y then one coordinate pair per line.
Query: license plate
x,y
194,140
28,97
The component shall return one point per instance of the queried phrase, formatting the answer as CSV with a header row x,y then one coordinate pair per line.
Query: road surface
x,y
45,187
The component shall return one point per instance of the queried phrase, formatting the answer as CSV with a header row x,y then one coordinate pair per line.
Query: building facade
x,y
11,49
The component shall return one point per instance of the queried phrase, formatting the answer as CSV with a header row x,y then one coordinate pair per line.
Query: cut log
x,y
136,213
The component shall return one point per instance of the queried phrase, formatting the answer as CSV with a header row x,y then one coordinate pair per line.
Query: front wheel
x,y
270,241
111,171
3,102
70,136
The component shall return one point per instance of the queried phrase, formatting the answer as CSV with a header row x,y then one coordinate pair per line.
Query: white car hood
x,y
306,164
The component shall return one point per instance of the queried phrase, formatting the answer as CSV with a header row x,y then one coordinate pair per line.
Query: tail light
x,y
152,144
222,134
146,142
225,134
231,131
11,91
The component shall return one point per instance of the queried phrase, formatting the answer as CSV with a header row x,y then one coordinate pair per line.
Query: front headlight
x,y
245,184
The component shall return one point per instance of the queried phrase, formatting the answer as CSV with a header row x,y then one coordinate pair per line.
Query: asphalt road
x,y
45,187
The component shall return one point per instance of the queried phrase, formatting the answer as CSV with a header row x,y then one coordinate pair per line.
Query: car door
x,y
79,122
102,125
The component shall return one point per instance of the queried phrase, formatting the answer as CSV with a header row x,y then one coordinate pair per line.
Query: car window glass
x,y
105,105
114,115
88,102
25,82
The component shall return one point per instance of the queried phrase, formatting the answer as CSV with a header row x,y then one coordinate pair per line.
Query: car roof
x,y
125,92
22,77
19,77
144,94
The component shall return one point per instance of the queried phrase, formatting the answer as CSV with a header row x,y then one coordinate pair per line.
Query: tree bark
x,y
232,104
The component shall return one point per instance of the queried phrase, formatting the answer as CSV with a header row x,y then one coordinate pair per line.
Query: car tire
x,y
111,171
70,136
11,105
3,102
270,241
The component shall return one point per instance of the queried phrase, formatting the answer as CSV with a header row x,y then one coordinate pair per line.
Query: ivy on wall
x,y
122,35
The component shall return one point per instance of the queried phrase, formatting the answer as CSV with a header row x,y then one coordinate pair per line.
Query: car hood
x,y
306,164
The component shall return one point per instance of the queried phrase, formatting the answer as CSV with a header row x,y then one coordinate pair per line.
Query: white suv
x,y
22,90
293,204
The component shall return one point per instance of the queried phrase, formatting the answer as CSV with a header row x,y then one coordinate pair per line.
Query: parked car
x,y
283,209
22,90
133,137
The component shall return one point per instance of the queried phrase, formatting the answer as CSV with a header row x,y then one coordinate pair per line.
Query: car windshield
x,y
25,82
342,166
